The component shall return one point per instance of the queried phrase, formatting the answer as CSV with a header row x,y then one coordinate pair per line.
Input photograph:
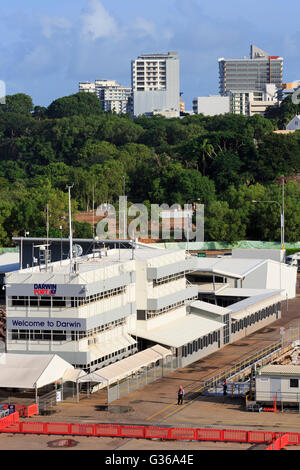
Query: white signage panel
x,y
67,324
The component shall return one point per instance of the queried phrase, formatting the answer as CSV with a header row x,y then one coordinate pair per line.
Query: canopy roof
x,y
209,308
233,268
253,304
124,368
179,332
108,347
9,262
34,370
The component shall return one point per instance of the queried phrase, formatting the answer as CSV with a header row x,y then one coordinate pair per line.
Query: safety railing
x,y
11,424
232,371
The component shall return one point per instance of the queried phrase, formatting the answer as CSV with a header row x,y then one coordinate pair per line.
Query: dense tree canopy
x,y
223,162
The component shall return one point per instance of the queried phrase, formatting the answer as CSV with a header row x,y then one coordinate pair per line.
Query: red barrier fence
x,y
11,424
279,443
25,411
21,410
10,420
31,410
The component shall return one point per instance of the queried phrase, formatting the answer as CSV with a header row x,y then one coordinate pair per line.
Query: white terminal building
x,y
116,302
89,315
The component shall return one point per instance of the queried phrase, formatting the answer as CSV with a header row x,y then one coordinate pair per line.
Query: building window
x,y
168,308
164,280
57,302
294,383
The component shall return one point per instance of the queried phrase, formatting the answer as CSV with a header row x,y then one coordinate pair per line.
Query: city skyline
x,y
48,48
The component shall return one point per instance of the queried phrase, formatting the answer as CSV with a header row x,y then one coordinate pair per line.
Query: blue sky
x,y
47,47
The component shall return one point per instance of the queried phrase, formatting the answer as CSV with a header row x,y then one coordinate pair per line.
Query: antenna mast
x,y
47,244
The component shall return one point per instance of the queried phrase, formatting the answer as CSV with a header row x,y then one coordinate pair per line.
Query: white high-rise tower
x,y
155,84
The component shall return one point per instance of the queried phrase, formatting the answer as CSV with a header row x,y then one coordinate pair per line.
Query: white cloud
x,y
51,24
97,22
145,27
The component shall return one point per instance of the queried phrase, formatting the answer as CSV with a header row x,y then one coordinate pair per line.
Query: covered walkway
x,y
124,374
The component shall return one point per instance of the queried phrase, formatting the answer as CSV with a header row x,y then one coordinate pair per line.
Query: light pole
x,y
125,208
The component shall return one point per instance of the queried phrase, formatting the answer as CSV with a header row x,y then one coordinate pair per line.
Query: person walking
x,y
224,388
180,395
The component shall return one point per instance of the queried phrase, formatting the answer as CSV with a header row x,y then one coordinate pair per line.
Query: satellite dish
x,y
77,250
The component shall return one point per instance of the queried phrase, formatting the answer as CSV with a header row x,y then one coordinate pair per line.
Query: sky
x,y
48,47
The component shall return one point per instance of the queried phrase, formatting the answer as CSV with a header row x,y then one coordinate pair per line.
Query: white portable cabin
x,y
280,380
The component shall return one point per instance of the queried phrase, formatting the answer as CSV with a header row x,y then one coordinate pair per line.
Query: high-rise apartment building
x,y
87,87
155,84
250,74
113,96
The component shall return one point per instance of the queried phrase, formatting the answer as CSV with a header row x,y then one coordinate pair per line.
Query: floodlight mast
x,y
47,230
70,229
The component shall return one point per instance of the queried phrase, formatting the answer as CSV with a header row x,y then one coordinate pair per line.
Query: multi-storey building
x,y
87,313
250,74
100,308
211,105
113,96
82,315
87,87
249,103
163,298
155,84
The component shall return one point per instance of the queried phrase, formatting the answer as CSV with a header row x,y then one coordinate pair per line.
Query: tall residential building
x,y
155,84
88,87
250,74
113,96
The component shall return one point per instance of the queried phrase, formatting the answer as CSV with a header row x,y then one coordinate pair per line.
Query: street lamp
x,y
281,219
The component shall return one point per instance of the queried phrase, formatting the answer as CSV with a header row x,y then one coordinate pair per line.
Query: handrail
x,y
238,367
